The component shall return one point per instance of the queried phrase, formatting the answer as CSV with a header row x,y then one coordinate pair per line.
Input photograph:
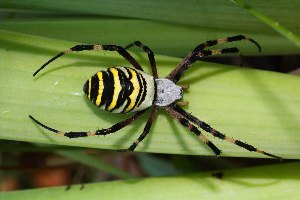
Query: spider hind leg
x,y
185,122
206,127
72,134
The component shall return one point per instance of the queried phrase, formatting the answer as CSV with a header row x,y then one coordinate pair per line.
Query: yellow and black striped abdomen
x,y
121,90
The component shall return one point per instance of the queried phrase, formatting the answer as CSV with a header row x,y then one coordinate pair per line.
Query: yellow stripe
x,y
117,88
100,89
89,94
135,92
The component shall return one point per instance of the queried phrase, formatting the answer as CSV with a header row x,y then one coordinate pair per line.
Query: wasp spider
x,y
130,89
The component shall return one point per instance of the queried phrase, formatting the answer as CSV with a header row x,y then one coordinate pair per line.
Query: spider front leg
x,y
150,55
206,127
95,47
116,127
206,53
199,52
145,131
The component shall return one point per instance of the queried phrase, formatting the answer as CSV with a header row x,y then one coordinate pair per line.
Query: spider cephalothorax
x,y
130,89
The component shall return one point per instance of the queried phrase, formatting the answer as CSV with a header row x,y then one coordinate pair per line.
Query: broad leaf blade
x,y
163,38
259,107
268,182
216,14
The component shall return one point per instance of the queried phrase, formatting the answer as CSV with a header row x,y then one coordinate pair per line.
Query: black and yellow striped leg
x,y
95,47
206,127
199,51
182,120
150,55
106,131
145,131
206,53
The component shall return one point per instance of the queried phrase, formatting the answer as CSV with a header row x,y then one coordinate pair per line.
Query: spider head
x,y
167,92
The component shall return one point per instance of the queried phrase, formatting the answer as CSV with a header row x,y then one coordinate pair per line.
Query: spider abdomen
x,y
121,90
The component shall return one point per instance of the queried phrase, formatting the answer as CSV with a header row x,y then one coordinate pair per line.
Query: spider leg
x,y
94,47
145,131
184,87
182,103
184,65
106,131
206,127
150,55
206,53
183,121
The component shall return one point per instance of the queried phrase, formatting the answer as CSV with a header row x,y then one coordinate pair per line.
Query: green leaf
x,y
270,22
201,13
259,107
268,182
170,27
89,160
173,40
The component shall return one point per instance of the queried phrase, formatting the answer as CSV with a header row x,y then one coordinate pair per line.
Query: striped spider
x,y
130,89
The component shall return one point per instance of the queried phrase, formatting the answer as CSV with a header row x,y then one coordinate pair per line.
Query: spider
x,y
130,89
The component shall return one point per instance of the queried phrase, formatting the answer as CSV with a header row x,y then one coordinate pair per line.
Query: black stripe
x,y
136,101
144,91
184,122
94,88
229,50
235,38
214,148
141,90
129,91
75,134
82,47
195,130
218,134
105,90
204,45
86,87
211,43
245,146
205,127
109,88
205,53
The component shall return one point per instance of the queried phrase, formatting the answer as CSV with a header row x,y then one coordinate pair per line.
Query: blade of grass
x,y
89,160
173,40
11,147
270,22
73,153
259,107
201,13
269,182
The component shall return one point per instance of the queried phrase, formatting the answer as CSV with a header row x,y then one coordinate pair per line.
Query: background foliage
x,y
256,106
